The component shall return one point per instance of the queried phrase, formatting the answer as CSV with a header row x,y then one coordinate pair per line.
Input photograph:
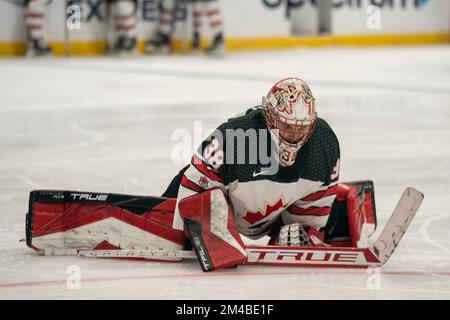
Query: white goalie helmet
x,y
291,116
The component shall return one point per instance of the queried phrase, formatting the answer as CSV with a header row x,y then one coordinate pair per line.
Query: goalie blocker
x,y
209,220
67,221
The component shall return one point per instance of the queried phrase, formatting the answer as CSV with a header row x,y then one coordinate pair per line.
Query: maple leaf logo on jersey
x,y
254,217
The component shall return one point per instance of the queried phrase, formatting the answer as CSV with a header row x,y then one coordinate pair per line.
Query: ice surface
x,y
105,124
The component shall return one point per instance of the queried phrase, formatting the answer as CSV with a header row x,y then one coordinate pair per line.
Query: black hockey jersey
x,y
241,158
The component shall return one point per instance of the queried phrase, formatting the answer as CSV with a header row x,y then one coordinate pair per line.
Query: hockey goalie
x,y
271,172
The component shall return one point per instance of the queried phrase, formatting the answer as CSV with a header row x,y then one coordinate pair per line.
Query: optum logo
x,y
422,3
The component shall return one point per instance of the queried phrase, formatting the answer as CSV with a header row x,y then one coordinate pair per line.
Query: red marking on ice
x,y
226,273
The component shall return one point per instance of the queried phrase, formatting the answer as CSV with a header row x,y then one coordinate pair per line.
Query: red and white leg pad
x,y
209,221
70,220
359,199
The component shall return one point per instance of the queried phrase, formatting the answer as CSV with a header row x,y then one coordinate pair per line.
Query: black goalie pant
x,y
172,189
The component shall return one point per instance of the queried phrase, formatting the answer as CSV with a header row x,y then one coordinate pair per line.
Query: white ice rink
x,y
105,124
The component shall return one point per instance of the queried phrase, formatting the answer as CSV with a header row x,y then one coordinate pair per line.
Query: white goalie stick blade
x,y
59,252
397,225
334,257
142,254
124,253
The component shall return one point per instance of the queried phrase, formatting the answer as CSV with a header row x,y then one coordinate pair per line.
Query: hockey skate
x,y
125,46
38,48
161,43
196,42
217,46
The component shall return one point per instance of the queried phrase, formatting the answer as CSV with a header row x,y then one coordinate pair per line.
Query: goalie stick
x,y
373,256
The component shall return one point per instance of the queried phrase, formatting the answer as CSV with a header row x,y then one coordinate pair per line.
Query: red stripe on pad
x,y
311,211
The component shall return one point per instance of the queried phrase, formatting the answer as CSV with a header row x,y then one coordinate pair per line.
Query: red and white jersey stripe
x,y
314,209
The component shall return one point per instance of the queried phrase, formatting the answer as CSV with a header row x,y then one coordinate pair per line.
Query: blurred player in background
x,y
162,40
124,17
123,13
34,19
211,10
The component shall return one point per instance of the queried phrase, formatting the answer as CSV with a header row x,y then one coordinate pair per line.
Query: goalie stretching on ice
x,y
296,190
272,171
